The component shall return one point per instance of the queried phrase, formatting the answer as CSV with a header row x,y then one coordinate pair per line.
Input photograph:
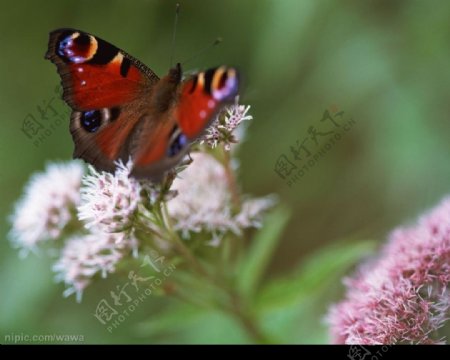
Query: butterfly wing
x,y
203,96
106,88
122,109
198,100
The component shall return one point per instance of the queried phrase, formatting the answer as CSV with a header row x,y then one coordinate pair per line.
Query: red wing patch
x,y
96,74
202,96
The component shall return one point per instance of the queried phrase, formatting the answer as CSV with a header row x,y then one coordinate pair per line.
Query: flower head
x,y
204,200
402,296
222,130
47,206
109,201
85,256
253,210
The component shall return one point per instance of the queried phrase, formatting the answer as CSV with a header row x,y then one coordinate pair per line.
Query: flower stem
x,y
184,250
235,308
231,178
247,321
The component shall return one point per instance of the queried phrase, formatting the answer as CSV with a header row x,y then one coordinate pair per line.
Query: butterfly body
x,y
122,109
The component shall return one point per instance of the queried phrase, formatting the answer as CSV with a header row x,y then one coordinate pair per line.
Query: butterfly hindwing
x,y
198,100
157,148
159,144
102,136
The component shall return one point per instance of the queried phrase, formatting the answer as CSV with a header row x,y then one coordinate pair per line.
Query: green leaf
x,y
288,306
300,323
167,321
184,324
326,266
258,257
15,310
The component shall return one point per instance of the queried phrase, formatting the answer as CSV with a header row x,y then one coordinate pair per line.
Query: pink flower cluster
x,y
402,296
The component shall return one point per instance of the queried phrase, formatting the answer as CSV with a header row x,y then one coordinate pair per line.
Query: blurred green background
x,y
385,63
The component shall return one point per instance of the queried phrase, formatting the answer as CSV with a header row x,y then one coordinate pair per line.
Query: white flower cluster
x,y
98,214
60,202
109,201
204,201
87,255
47,206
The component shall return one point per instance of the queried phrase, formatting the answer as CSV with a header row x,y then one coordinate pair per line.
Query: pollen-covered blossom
x,y
85,256
109,201
204,200
402,296
223,128
47,206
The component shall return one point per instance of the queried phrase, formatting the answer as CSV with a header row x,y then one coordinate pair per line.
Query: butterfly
x,y
121,109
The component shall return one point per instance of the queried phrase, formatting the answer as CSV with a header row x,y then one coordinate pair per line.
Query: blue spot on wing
x,y
91,120
67,45
177,145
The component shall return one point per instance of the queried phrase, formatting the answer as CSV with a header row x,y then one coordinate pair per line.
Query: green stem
x,y
231,178
235,241
235,308
187,299
248,322
182,249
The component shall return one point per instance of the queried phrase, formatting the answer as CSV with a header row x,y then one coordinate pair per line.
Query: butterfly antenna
x,y
201,51
174,35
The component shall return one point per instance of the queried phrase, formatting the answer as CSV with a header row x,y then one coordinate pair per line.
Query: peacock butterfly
x,y
122,109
